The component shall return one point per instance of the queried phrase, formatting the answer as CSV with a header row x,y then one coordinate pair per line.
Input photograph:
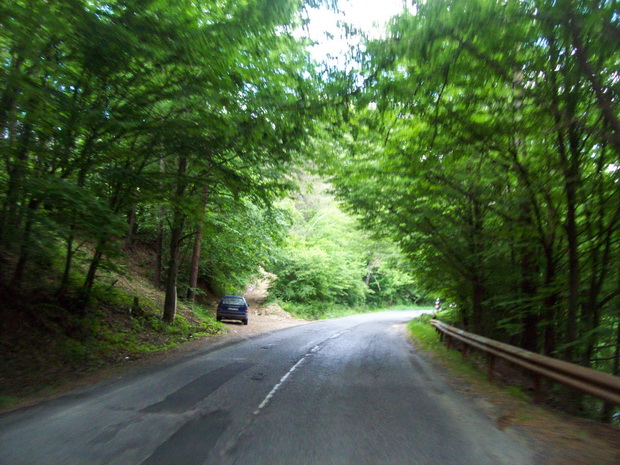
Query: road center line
x,y
314,350
338,334
277,386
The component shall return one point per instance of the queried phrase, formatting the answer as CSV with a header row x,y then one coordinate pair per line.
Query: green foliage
x,y
150,110
328,264
94,341
239,238
6,401
318,310
309,311
484,142
311,273
75,351
425,335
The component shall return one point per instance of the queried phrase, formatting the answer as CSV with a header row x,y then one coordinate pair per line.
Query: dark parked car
x,y
232,307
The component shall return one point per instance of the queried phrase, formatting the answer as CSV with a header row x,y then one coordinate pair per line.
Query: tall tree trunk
x,y
592,320
477,280
11,91
131,225
195,264
92,272
602,230
603,98
477,307
549,304
159,244
10,222
170,301
159,247
528,290
528,287
571,169
116,202
592,311
26,244
569,164
64,282
115,206
571,184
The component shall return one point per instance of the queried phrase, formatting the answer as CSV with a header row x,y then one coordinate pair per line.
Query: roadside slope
x,y
562,439
49,348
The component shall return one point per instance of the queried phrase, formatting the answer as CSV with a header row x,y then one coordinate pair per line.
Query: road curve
x,y
345,391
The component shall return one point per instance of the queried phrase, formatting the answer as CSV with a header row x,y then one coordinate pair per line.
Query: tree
x,y
121,106
481,144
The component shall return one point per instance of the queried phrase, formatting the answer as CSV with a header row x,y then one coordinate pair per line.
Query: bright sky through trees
x,y
370,16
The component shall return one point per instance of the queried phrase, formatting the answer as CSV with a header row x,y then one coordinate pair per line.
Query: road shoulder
x,y
262,322
559,439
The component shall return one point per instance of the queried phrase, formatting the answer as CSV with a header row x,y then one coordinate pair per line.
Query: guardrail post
x,y
490,367
536,379
596,383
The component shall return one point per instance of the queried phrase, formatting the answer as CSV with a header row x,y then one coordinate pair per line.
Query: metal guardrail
x,y
593,382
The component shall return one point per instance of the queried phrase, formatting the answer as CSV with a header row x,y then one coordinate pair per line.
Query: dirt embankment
x,y
262,319
265,318
38,385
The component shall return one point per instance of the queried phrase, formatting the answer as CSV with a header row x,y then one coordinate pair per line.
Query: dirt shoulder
x,y
262,321
558,438
47,351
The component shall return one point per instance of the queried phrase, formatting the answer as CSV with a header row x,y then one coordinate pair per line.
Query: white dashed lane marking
x,y
314,350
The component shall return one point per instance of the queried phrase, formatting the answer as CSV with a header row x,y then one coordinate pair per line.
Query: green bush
x,y
75,351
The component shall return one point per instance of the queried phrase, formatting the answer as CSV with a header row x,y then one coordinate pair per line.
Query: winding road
x,y
345,391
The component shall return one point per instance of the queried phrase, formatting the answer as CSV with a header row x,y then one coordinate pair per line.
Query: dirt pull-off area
x,y
262,320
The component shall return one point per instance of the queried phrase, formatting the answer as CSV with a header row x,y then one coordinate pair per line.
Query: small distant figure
x,y
437,307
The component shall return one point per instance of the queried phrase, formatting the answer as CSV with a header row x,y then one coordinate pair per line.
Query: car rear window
x,y
232,301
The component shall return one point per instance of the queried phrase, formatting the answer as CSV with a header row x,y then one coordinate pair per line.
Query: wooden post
x,y
536,379
490,367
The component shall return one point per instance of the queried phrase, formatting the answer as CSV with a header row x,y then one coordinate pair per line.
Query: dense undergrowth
x,y
509,379
48,340
327,267
326,310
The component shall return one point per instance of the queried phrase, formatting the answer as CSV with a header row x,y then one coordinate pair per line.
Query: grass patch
x,y
426,338
324,310
346,311
517,392
56,340
340,311
405,307
6,401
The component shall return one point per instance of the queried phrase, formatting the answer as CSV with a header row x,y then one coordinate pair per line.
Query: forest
x,y
473,150
486,142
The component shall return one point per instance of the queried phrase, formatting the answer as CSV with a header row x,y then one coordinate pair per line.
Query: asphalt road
x,y
344,391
